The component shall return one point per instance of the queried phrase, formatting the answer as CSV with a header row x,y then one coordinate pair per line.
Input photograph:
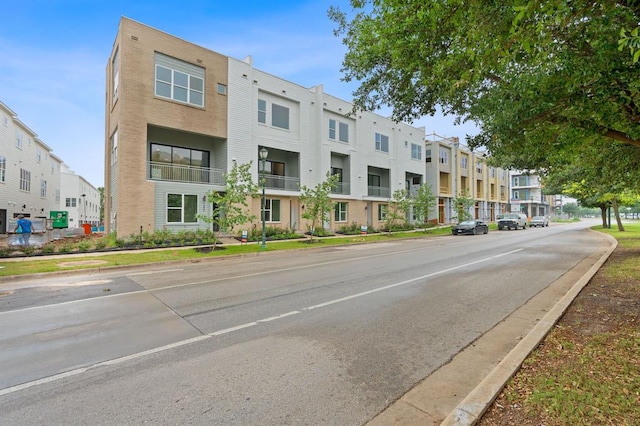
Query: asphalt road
x,y
324,336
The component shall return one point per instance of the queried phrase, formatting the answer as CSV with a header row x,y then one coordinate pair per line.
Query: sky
x,y
54,53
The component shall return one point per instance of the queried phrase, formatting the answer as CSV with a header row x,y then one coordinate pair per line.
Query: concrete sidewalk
x,y
461,391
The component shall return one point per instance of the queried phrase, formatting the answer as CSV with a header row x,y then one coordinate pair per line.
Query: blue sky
x,y
53,56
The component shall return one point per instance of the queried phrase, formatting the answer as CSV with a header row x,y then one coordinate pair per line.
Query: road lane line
x,y
122,359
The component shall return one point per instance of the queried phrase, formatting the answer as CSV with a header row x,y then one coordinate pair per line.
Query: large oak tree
x,y
540,78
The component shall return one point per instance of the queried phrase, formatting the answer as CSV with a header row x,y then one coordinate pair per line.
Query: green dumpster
x,y
60,219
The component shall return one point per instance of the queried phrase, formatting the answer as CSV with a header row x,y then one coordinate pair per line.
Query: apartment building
x,y
79,199
179,115
454,170
29,174
527,196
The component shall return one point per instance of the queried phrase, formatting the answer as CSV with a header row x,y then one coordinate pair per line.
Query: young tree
x,y
397,210
540,78
230,207
316,202
462,204
423,203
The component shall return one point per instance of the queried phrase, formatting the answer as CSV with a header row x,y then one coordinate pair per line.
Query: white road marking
x,y
126,358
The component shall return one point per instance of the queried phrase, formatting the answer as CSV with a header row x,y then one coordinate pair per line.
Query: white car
x,y
539,221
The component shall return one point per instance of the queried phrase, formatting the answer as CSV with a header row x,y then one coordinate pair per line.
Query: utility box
x,y
59,219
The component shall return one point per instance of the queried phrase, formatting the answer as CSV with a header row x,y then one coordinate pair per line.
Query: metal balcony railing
x,y
379,191
186,174
341,188
286,183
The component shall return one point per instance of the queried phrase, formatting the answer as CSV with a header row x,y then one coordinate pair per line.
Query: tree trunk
x,y
603,213
617,213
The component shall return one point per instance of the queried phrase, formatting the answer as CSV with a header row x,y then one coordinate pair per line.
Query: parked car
x,y
470,227
539,221
512,221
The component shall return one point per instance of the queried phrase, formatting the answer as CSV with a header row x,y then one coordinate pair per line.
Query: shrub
x,y
84,246
48,249
66,248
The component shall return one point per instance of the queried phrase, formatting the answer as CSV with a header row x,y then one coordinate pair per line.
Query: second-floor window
x,y
427,154
464,163
70,202
382,142
19,138
114,147
43,189
25,180
179,80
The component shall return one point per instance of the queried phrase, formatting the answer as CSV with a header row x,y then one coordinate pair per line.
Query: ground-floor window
x,y
382,211
182,208
271,210
340,212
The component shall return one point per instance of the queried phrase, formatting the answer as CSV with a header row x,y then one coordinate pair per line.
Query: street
x,y
324,336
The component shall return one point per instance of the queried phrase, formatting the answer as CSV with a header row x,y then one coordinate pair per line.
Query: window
x,y
516,195
272,168
114,147
340,212
25,180
279,116
38,155
271,210
179,156
3,168
262,111
382,211
182,208
179,80
337,171
464,163
342,130
444,156
516,181
5,120
382,142
115,73
416,151
43,189
222,89
427,154
70,202
19,138
479,168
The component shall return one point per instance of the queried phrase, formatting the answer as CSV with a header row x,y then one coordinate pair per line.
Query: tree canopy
x,y
539,78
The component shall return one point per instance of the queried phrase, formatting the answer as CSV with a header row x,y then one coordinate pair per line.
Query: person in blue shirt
x,y
24,227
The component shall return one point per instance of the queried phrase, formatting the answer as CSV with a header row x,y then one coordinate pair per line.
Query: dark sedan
x,y
470,227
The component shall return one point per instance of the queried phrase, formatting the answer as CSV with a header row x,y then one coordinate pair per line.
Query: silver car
x,y
539,221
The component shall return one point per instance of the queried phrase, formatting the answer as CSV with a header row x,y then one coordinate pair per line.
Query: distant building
x,y
31,181
527,196
454,170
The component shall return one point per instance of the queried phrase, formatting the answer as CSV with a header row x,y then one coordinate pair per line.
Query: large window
x,y
340,212
25,180
416,151
179,156
382,142
179,80
339,130
271,210
182,208
3,168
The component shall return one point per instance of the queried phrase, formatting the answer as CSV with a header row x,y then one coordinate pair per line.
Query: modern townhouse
x,y
29,174
179,116
454,170
527,196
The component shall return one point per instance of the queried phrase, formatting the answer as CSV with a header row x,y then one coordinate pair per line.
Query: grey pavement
x,y
459,392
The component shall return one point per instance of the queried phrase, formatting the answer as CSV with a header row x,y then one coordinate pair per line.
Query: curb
x,y
470,410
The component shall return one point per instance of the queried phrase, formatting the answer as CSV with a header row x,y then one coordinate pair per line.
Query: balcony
x,y
186,174
286,183
342,188
379,191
